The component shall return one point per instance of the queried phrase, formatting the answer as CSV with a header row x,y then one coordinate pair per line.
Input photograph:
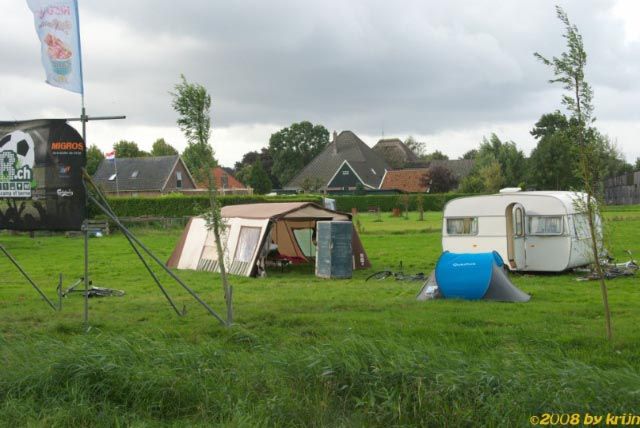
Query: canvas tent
x,y
256,233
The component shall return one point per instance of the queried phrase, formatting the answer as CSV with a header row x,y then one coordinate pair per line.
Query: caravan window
x,y
247,243
519,231
462,226
545,225
581,226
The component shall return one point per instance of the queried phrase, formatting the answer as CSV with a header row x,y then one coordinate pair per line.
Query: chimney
x,y
335,143
335,135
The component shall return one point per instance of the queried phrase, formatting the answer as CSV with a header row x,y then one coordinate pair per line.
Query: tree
x,y
417,147
259,179
510,159
94,157
612,161
637,165
496,164
420,206
244,173
192,103
549,124
568,70
553,162
294,147
436,155
311,185
491,176
471,154
442,179
128,149
242,169
162,148
472,183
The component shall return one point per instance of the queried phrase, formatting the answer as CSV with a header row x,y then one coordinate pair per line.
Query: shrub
x,y
431,202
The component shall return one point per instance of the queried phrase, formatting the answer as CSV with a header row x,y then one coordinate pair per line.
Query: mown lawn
x,y
306,351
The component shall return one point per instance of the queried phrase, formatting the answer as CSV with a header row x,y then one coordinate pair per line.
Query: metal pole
x,y
146,265
86,228
115,165
26,275
158,261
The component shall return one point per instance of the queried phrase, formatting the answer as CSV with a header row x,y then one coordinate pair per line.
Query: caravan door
x,y
519,256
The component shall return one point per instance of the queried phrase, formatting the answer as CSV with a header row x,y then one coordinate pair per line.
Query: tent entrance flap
x,y
476,276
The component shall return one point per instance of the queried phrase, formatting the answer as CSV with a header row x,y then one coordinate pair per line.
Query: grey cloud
x,y
409,66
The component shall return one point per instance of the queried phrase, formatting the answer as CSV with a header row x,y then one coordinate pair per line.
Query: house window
x,y
134,174
462,226
544,225
113,177
178,179
345,172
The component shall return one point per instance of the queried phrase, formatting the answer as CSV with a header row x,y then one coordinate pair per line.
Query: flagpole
x,y
115,164
84,119
57,69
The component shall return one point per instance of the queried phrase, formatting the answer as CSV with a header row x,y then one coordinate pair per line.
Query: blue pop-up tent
x,y
474,276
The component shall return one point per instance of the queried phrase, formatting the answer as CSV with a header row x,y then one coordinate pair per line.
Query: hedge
x,y
186,205
431,202
189,205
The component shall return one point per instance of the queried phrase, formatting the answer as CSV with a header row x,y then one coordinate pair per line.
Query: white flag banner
x,y
57,26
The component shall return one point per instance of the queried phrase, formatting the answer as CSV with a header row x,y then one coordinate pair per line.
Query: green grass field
x,y
306,351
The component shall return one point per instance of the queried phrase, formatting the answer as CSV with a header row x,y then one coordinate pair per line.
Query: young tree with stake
x,y
192,103
568,70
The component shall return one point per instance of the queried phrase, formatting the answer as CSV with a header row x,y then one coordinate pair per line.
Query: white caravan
x,y
532,231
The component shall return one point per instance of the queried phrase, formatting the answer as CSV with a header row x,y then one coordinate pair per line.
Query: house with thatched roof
x,y
396,153
345,164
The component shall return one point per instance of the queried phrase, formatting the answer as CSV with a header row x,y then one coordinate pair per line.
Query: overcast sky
x,y
445,72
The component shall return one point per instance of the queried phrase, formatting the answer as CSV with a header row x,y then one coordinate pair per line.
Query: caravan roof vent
x,y
510,190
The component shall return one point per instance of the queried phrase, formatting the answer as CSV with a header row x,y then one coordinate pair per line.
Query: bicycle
x,y
398,276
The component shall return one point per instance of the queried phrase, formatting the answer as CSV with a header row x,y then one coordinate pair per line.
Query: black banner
x,y
41,165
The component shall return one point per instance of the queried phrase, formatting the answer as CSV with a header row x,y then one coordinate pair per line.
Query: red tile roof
x,y
231,181
406,180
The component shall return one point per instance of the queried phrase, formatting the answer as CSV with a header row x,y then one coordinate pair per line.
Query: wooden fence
x,y
623,190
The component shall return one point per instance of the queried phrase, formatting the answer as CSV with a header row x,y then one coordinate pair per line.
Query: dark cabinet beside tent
x,y
334,256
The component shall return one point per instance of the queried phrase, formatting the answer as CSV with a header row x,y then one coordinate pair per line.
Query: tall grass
x,y
104,381
307,351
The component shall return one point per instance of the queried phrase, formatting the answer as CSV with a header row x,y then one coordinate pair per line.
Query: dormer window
x,y
112,177
134,174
